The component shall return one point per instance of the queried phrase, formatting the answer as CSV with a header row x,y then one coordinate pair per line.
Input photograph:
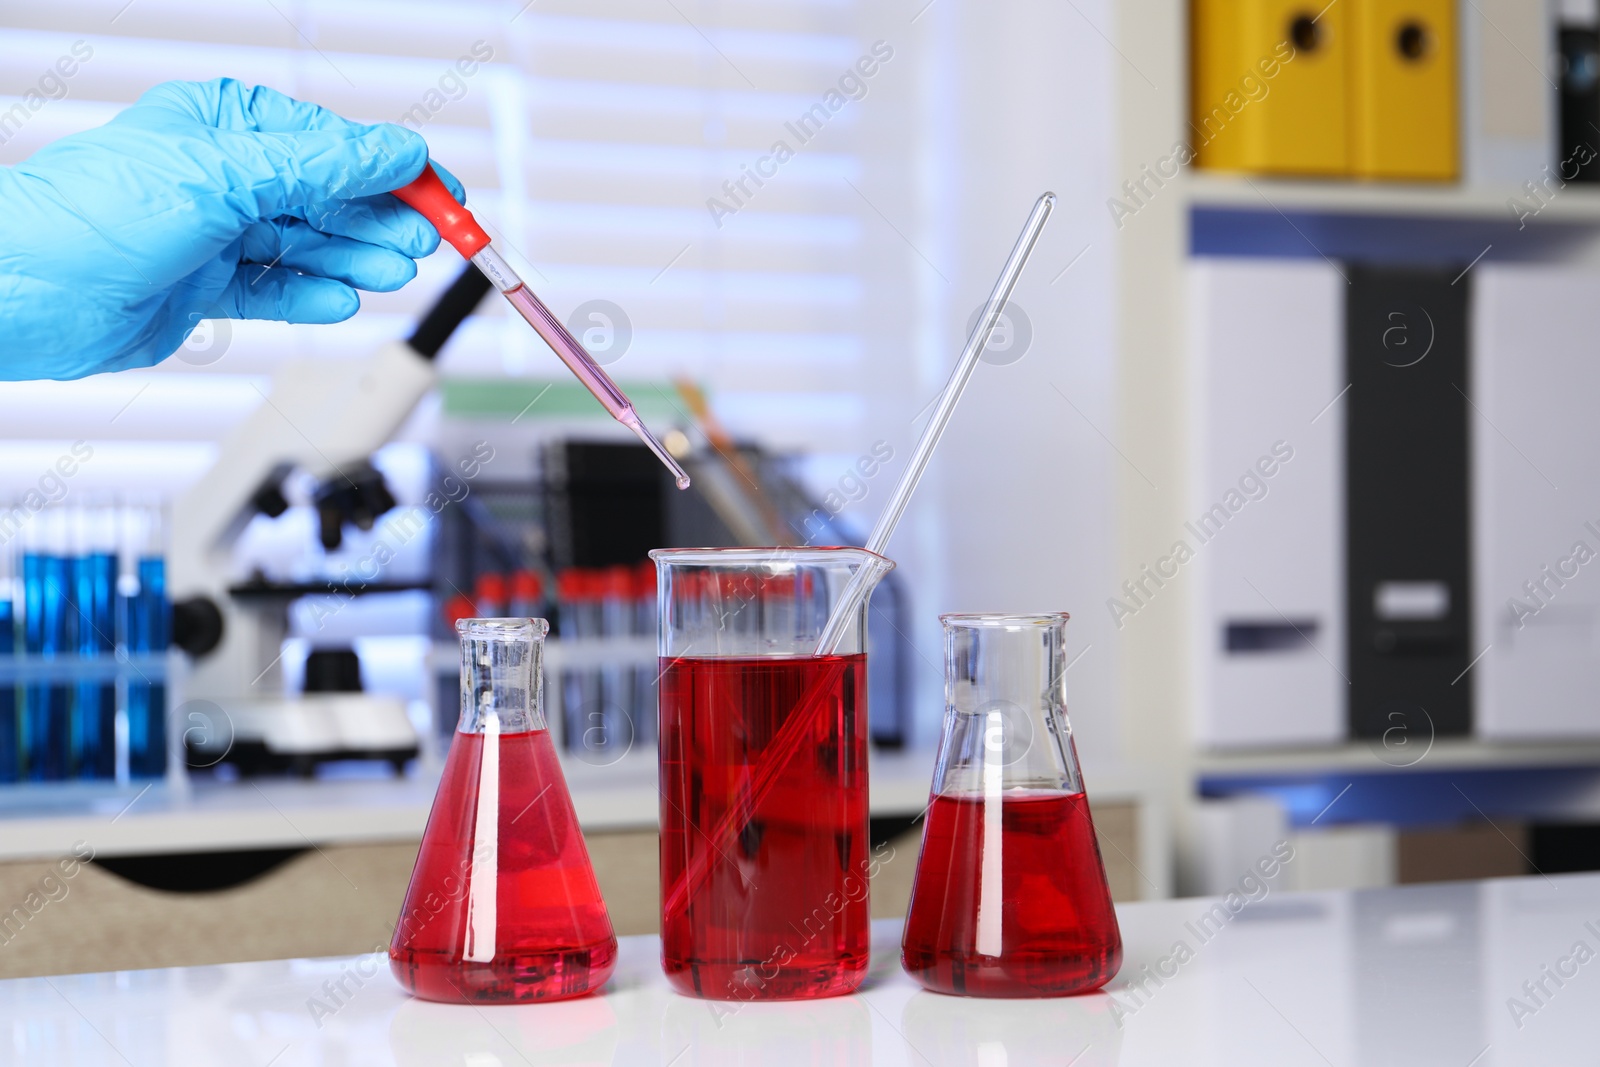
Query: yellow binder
x,y
1403,89
1268,86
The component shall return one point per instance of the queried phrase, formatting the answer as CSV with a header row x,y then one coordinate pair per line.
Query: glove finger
x,y
334,188
279,293
457,190
299,246
384,220
307,173
229,104
378,220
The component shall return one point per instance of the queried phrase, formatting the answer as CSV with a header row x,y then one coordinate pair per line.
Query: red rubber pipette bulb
x,y
455,223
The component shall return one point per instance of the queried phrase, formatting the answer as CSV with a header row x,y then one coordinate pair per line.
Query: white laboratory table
x,y
1468,974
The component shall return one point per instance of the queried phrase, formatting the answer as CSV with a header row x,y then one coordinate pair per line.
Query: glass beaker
x,y
1010,897
503,905
764,853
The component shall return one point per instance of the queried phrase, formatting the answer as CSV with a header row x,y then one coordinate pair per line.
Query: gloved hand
x,y
202,200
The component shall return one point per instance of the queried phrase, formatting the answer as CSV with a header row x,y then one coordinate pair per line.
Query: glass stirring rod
x,y
456,225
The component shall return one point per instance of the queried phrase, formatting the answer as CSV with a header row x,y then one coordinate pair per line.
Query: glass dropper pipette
x,y
457,226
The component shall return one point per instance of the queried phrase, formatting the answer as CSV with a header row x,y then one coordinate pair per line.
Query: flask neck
x,y
1005,721
502,675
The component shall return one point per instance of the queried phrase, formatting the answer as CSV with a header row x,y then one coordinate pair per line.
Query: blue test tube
x,y
148,633
94,581
47,632
10,755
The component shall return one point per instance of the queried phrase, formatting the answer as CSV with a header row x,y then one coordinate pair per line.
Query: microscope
x,y
327,418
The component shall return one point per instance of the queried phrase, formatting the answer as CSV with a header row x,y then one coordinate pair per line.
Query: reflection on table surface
x,y
1486,973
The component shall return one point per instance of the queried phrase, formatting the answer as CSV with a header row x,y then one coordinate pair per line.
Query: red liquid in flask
x,y
1048,929
507,911
764,883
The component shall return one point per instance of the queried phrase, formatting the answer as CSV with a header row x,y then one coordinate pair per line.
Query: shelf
x,y
1364,758
47,819
1236,192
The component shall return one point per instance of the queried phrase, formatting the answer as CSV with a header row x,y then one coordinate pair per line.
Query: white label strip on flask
x,y
990,869
484,875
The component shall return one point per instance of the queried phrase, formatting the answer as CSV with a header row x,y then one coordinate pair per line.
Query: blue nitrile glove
x,y
203,200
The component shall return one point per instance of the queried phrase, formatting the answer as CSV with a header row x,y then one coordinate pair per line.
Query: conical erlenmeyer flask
x,y
1010,898
503,905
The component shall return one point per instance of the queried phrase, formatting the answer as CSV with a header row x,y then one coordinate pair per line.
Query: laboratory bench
x,y
211,872
1471,974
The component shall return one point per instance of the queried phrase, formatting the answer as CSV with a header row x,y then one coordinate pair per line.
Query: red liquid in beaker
x,y
1056,930
543,933
764,885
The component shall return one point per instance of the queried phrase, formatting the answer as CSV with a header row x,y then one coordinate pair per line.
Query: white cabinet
x,y
1266,513
1536,501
